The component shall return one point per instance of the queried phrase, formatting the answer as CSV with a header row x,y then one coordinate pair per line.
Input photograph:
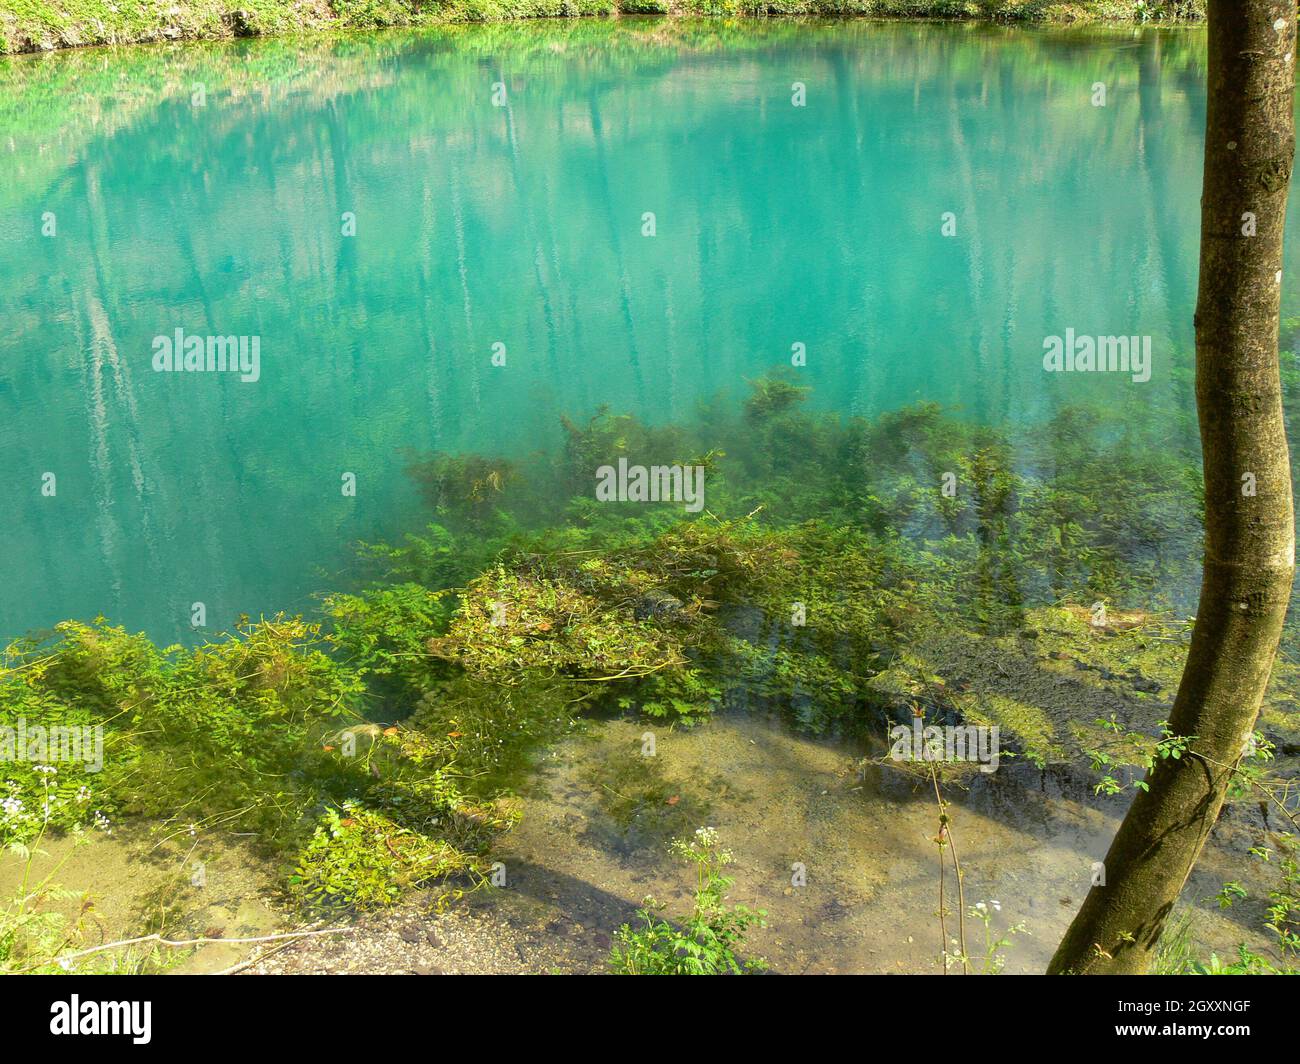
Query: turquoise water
x,y
204,188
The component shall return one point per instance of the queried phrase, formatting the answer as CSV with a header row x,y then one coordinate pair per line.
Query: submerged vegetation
x,y
843,572
31,25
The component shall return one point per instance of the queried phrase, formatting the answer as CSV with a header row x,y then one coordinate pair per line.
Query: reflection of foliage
x,y
44,23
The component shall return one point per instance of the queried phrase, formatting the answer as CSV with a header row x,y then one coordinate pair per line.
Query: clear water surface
x,y
204,188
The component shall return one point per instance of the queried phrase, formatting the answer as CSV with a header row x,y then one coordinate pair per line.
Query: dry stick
x,y
943,918
256,958
203,941
943,921
961,905
945,835
1236,771
631,670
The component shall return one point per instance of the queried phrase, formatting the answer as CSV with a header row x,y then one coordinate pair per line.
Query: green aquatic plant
x,y
433,558
773,395
709,941
382,633
511,623
686,695
358,858
605,438
466,491
257,732
813,568
836,583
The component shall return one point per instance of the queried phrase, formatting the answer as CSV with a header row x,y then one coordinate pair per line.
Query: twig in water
x,y
203,941
945,838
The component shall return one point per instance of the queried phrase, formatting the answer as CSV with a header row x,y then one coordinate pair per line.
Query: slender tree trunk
x,y
1249,531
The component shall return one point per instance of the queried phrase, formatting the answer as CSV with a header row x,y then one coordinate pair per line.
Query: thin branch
x,y
203,941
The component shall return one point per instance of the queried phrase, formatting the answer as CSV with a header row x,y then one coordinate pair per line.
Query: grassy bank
x,y
41,25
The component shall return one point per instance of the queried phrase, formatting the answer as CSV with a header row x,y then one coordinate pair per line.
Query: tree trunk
x,y
1249,532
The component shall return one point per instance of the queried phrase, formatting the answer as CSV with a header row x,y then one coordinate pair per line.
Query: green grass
x,y
37,25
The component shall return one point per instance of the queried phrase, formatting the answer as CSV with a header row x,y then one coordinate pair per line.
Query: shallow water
x,y
591,846
865,839
203,188
132,882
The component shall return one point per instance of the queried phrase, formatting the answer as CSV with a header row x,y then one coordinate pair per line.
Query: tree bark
x,y
1249,538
